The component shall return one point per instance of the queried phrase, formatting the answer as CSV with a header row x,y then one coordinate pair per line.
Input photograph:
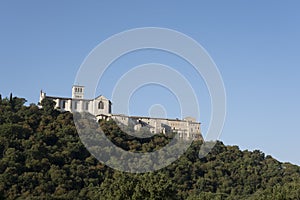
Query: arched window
x,y
100,105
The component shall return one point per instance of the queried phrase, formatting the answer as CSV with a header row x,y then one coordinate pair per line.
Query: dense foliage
x,y
42,157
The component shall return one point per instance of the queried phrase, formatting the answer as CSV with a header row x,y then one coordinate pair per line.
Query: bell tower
x,y
77,92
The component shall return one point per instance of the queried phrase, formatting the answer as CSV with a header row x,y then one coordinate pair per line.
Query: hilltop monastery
x,y
100,107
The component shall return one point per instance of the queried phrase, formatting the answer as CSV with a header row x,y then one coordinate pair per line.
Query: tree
x,y
42,157
48,106
10,97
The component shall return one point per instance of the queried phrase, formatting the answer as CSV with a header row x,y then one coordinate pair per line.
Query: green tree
x,y
42,157
48,106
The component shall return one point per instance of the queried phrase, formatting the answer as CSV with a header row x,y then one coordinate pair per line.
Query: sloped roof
x,y
102,97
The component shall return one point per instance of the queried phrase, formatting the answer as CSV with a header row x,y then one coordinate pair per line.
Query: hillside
x,y
42,157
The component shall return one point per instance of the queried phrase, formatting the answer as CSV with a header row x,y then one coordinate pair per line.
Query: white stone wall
x,y
121,119
186,129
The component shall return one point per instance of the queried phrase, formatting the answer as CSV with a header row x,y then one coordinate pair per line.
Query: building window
x,y
63,104
87,105
100,105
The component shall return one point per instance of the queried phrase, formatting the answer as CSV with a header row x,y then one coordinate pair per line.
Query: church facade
x,y
187,128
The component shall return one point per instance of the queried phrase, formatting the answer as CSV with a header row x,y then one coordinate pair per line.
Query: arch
x,y
100,105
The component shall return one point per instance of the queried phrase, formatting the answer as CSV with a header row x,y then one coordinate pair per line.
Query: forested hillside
x,y
42,157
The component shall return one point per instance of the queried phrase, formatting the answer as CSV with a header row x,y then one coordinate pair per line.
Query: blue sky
x,y
255,44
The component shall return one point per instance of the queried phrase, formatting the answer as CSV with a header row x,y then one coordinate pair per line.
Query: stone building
x,y
187,128
97,106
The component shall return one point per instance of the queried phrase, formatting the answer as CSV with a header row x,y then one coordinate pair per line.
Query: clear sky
x,y
255,44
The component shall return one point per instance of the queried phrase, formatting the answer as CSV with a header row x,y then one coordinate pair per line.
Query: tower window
x,y
100,105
